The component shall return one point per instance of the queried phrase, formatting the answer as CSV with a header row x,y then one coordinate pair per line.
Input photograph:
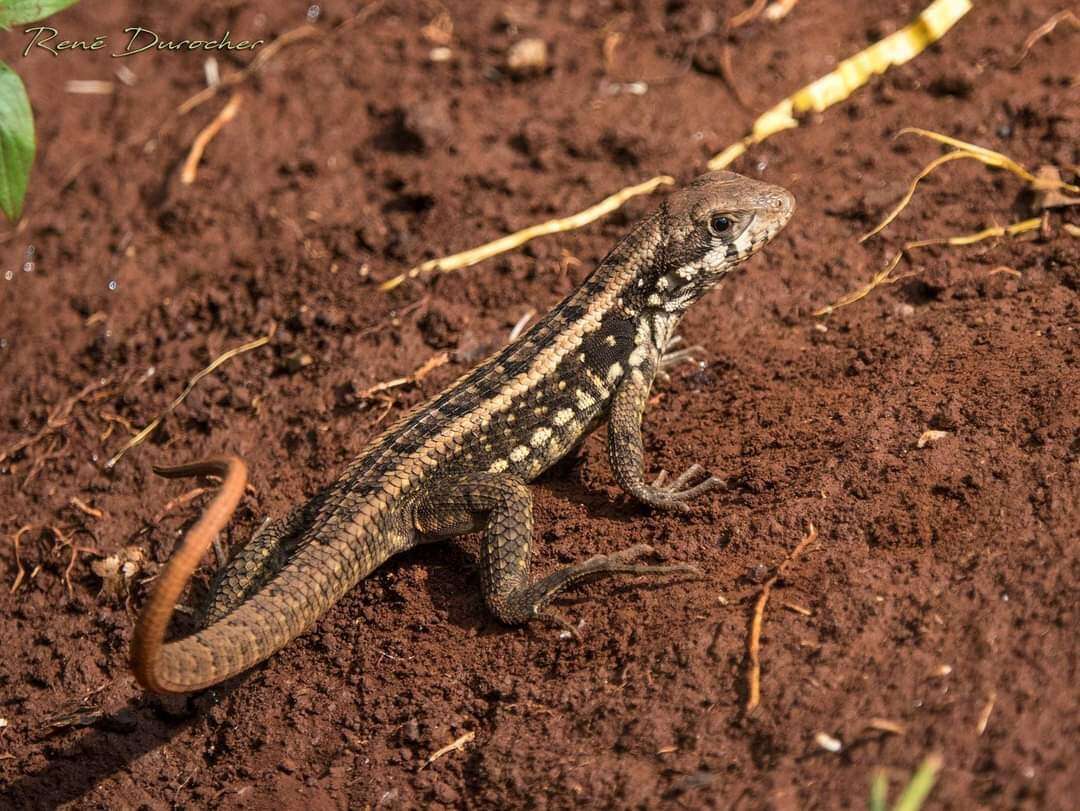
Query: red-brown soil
x,y
944,578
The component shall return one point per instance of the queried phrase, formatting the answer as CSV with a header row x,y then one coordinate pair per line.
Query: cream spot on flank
x,y
581,357
562,385
637,376
610,340
563,416
615,372
663,283
498,466
540,437
654,300
518,453
584,400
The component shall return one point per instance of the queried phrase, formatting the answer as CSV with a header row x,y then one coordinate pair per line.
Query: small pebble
x,y
527,56
828,742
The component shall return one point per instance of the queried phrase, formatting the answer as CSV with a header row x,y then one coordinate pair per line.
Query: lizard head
x,y
706,229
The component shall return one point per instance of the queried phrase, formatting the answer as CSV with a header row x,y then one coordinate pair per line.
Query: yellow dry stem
x,y
1010,230
880,278
992,158
885,277
518,238
956,154
962,149
851,74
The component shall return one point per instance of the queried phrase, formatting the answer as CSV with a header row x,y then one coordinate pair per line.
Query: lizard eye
x,y
719,224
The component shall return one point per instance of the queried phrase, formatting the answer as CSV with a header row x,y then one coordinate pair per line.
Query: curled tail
x,y
264,607
148,646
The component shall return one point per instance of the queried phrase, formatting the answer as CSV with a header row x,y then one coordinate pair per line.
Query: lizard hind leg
x,y
269,550
250,568
503,507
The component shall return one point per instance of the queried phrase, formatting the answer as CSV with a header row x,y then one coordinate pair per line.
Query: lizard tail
x,y
148,641
279,611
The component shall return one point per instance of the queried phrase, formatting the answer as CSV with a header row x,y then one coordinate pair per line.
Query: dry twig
x,y
82,506
267,52
57,418
885,276
1046,183
984,714
727,73
432,363
1042,182
754,645
1011,230
747,15
205,136
140,437
262,56
453,746
880,278
885,725
522,322
1044,29
20,574
179,501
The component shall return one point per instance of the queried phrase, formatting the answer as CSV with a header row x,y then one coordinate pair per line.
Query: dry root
x,y
753,676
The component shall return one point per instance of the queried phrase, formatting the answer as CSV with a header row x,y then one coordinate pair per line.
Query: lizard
x,y
460,462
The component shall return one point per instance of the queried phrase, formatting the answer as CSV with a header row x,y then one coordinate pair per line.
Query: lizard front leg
x,y
627,453
502,507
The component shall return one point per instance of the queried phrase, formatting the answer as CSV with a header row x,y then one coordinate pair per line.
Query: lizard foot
x,y
673,357
529,602
675,494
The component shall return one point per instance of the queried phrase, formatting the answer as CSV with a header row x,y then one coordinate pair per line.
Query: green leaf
x,y
879,791
17,12
921,783
16,142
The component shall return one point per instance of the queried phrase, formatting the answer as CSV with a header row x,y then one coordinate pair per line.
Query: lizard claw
x,y
672,358
566,629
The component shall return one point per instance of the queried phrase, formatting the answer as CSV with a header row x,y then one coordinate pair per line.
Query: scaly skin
x,y
459,462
